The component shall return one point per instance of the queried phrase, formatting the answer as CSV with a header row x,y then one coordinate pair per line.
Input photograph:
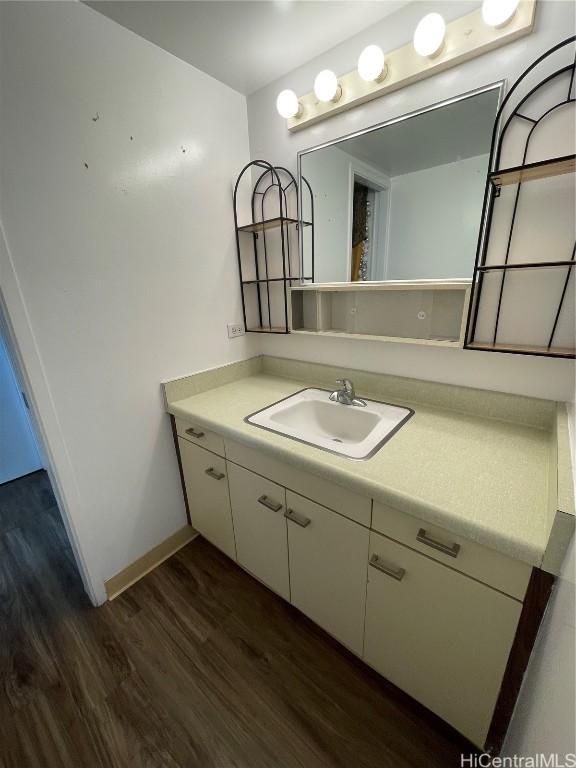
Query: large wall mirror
x,y
403,200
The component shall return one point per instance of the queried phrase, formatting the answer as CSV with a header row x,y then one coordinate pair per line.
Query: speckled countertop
x,y
483,478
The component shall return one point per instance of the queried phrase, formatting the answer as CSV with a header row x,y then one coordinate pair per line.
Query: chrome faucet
x,y
346,395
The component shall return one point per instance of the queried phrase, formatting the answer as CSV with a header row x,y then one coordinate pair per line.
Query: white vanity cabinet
x,y
328,556
258,507
437,634
434,613
206,481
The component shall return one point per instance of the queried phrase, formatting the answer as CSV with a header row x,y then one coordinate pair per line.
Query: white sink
x,y
349,430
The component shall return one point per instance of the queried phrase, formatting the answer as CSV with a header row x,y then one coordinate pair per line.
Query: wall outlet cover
x,y
235,329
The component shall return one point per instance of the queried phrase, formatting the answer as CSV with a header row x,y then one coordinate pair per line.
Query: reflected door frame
x,y
381,185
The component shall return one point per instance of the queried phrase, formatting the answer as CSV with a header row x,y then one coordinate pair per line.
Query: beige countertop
x,y
487,479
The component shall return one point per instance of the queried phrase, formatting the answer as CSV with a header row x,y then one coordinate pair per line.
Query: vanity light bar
x,y
465,38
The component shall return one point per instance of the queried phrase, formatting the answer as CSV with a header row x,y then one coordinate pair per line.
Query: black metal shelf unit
x,y
533,103
267,247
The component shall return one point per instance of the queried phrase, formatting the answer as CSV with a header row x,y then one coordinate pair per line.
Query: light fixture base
x,y
337,95
466,38
383,75
439,52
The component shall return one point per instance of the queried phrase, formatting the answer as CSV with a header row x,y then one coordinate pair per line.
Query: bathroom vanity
x,y
432,560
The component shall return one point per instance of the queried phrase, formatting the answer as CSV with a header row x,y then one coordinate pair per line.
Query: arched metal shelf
x,y
267,269
523,105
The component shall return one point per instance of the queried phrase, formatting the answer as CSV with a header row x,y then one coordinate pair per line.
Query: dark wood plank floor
x,y
196,665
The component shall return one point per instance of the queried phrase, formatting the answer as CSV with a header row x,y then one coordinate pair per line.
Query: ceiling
x,y
457,131
246,43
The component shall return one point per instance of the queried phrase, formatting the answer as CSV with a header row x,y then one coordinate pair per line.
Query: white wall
x,y
270,139
18,452
328,173
116,166
434,220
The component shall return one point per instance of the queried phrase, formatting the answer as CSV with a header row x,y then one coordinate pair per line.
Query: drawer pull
x,y
396,573
216,475
448,549
269,504
194,433
296,518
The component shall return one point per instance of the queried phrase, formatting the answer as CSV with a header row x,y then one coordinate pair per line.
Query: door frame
x,y
382,186
29,369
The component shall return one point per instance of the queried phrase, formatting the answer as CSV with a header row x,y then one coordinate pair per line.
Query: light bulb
x,y
429,35
287,104
326,87
497,13
371,63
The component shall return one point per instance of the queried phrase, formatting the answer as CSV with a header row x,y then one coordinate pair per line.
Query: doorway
x,y
30,515
368,223
19,452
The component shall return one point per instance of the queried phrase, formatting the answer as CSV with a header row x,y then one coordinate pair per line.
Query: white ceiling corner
x,y
246,43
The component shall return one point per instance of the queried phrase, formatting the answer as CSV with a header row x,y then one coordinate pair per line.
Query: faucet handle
x,y
347,384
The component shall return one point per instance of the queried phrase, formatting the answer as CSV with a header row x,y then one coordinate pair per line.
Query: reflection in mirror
x,y
402,201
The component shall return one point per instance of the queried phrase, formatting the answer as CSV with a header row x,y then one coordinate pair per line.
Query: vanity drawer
x,y
497,570
201,436
325,492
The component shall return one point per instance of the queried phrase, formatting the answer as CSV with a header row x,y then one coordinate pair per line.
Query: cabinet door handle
x,y
296,518
448,549
216,475
396,573
269,504
194,433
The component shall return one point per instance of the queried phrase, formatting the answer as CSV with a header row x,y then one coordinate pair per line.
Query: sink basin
x,y
349,430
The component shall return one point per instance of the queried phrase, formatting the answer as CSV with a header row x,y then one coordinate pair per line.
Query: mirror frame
x,y
499,85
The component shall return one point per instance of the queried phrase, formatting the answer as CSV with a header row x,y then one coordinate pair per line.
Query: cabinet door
x,y
438,635
260,527
208,496
328,556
